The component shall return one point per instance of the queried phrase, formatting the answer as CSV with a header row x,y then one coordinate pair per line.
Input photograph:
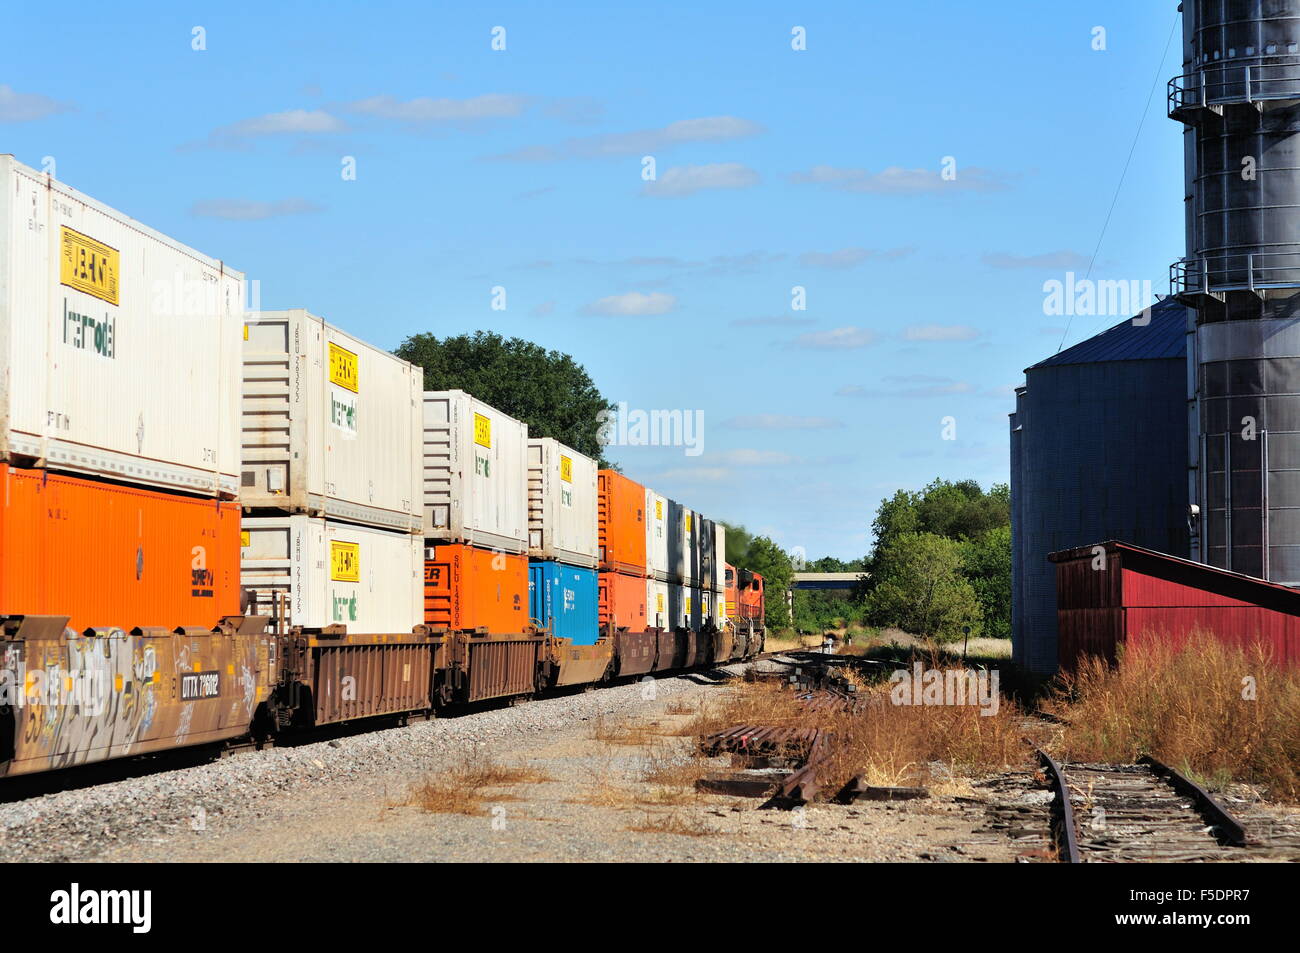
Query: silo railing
x,y
1250,271
1225,85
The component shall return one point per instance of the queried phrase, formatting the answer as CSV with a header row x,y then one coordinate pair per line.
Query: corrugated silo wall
x,y
1101,454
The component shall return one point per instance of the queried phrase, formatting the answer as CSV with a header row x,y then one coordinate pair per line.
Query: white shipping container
x,y
371,580
475,475
688,573
656,604
656,535
719,557
561,504
331,424
119,346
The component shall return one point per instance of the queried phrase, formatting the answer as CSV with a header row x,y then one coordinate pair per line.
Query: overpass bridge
x,y
842,581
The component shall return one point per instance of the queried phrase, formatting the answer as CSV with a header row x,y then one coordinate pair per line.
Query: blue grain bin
x,y
564,599
1098,452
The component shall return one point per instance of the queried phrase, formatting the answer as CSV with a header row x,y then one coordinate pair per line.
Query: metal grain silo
x,y
1099,451
1239,99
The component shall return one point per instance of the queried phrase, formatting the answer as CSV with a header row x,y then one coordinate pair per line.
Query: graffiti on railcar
x,y
81,699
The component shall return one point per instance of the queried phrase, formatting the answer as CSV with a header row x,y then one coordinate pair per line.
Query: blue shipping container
x,y
564,599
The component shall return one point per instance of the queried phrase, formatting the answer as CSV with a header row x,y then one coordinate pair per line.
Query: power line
x,y
1160,68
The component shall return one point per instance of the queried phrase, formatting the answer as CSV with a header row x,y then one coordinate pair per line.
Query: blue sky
x,y
522,169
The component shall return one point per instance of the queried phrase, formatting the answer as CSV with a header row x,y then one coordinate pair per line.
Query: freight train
x,y
219,525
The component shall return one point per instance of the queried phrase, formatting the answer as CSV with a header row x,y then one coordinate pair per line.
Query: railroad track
x,y
1148,812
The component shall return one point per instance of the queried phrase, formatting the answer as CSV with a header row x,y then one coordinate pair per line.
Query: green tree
x,y
919,587
759,554
986,563
547,390
738,540
958,510
773,563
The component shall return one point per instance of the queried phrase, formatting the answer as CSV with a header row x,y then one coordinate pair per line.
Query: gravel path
x,y
96,822
589,799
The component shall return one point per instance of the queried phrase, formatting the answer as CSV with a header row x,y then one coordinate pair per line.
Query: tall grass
x,y
888,744
1189,706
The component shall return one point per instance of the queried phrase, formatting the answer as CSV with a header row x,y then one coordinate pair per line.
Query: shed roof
x,y
1164,337
1198,575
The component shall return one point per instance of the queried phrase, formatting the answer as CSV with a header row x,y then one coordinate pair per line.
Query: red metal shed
x,y
1115,592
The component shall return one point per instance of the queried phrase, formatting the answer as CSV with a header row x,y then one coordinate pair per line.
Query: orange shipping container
x,y
470,588
622,601
621,521
110,555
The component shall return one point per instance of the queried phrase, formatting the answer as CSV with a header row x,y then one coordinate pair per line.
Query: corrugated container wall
x,y
719,557
120,346
331,424
622,600
656,535
110,555
332,573
706,538
470,588
621,515
683,554
1100,441
475,473
657,604
561,504
564,600
686,607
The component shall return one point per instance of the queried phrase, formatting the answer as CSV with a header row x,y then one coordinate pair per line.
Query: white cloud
x,y
634,304
752,458
847,337
639,142
425,109
849,257
247,210
776,321
781,422
239,135
684,180
710,129
25,107
1063,260
696,475
911,386
896,180
940,332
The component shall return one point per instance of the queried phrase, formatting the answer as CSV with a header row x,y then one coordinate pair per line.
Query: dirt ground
x,y
586,798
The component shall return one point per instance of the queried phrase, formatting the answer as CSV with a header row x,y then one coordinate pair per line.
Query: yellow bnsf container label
x,y
482,431
245,538
566,468
343,367
688,522
88,265
659,509
345,561
659,601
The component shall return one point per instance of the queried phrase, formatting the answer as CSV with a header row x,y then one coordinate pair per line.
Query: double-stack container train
x,y
219,525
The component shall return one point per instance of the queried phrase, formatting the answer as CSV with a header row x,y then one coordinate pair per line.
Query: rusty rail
x,y
1067,838
1228,827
